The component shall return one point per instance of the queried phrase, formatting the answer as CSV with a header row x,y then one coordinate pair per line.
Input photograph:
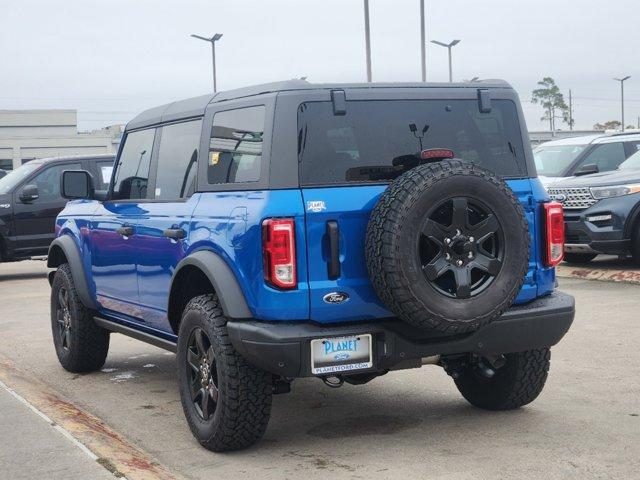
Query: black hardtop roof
x,y
95,156
194,107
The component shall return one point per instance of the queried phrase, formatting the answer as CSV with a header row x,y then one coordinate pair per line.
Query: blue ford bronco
x,y
335,231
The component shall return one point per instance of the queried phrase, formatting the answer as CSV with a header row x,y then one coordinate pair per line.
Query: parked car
x,y
584,155
30,200
295,230
602,212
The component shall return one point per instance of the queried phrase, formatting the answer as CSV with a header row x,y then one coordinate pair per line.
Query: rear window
x,y
376,141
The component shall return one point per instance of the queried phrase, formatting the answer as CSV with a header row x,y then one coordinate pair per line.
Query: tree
x,y
552,100
610,125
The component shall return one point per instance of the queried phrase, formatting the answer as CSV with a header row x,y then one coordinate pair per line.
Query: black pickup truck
x,y
30,201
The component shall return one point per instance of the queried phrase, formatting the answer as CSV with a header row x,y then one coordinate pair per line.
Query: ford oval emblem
x,y
335,297
558,197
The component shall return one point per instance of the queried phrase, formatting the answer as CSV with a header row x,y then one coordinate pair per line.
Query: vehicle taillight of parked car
x,y
554,233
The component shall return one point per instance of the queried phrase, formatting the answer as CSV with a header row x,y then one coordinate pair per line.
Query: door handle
x,y
174,233
125,230
333,266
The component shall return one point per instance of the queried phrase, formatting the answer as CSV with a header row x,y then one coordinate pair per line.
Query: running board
x,y
137,334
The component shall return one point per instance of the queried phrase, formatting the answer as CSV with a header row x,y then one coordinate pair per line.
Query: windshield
x,y
552,161
14,177
376,140
631,163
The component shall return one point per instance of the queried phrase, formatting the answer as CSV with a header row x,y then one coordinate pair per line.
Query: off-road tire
x,y
395,271
87,344
515,384
579,257
244,391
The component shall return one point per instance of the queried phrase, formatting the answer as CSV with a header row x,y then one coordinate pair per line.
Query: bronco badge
x,y
335,297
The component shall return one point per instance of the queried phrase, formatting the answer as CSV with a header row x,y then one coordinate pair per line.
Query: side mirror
x,y
29,194
76,184
587,170
2,172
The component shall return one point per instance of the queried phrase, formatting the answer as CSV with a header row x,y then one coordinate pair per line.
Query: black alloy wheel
x,y
202,374
461,247
63,316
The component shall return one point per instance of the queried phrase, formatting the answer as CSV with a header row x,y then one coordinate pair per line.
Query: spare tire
x,y
447,246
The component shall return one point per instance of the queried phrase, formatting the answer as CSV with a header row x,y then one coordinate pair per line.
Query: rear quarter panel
x,y
229,224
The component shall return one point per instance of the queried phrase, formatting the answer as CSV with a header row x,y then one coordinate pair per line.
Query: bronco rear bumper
x,y
283,348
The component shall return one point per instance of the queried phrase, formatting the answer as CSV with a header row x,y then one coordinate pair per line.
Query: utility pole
x,y
622,80
367,38
213,41
570,111
423,41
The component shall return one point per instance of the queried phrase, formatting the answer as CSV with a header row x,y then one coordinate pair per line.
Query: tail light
x,y
554,233
279,252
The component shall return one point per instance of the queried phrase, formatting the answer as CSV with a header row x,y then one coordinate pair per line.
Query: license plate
x,y
341,354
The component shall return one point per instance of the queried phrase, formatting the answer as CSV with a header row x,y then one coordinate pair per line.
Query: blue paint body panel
x,y
130,277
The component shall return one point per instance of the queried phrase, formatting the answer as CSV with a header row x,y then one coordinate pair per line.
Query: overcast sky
x,y
112,59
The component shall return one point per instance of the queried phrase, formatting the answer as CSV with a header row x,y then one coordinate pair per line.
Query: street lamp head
x,y
442,44
215,38
447,45
201,38
623,79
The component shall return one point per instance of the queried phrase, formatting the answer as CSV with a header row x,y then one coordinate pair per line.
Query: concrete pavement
x,y
31,447
410,424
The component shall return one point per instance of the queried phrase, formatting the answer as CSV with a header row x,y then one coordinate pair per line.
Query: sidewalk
x,y
31,448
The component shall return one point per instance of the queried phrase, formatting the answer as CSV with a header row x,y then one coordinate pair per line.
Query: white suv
x,y
583,155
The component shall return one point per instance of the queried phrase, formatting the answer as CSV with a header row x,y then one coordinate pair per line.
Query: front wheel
x,y
227,401
80,344
518,382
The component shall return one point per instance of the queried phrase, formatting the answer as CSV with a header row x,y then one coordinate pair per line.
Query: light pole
x,y
622,80
213,41
449,46
367,39
423,42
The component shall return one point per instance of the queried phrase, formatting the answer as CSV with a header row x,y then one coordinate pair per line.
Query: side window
x,y
632,147
132,174
104,171
606,156
235,149
48,181
178,160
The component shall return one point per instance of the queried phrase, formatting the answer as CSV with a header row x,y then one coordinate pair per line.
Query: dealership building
x,y
29,134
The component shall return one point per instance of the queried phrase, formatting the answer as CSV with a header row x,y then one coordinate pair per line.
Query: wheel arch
x,y
632,221
205,272
65,250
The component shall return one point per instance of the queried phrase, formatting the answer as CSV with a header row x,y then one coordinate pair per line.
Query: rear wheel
x,y
579,257
518,382
227,401
81,345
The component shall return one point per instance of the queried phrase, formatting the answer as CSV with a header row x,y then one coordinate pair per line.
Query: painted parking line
x,y
89,433
601,274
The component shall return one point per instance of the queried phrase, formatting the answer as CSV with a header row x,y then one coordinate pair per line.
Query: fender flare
x,y
631,221
223,280
68,246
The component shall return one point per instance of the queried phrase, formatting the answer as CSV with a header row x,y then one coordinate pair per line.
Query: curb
x,y
95,438
599,274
